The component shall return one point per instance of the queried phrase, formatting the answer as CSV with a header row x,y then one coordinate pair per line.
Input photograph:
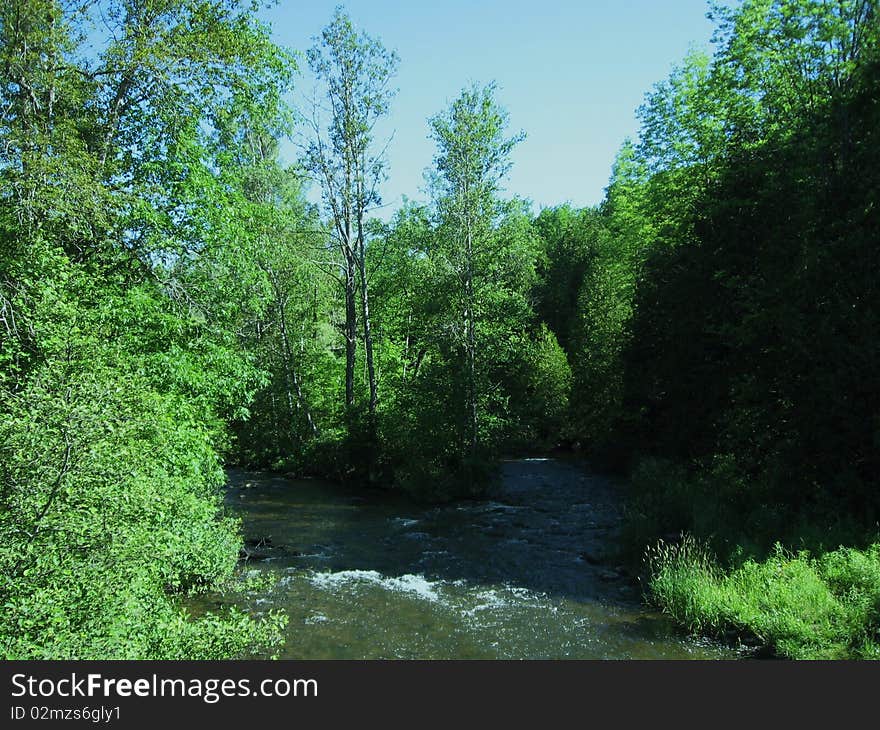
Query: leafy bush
x,y
110,507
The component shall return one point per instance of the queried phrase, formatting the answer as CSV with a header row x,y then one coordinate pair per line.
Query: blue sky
x,y
571,74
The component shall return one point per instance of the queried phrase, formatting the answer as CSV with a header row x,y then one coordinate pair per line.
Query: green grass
x,y
802,607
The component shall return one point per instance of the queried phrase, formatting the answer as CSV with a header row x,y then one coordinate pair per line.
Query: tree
x,y
781,60
568,240
473,156
356,71
117,372
744,345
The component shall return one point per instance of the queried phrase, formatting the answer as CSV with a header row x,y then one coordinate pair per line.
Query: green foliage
x,y
424,352
784,375
541,391
568,238
355,71
727,313
723,345
121,514
168,299
458,340
801,607
118,361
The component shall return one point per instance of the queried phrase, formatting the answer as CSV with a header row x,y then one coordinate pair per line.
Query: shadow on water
x,y
528,573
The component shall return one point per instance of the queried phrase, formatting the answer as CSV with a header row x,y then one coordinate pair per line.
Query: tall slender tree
x,y
472,157
356,71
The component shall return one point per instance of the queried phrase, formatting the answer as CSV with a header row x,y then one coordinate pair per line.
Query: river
x,y
527,573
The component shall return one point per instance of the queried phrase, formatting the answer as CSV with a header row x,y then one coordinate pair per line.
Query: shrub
x,y
110,507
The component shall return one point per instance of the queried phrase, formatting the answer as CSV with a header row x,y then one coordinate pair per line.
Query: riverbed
x,y
529,572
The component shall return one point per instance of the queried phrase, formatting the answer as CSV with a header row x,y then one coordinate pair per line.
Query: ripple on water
x,y
316,618
403,521
490,507
460,596
414,585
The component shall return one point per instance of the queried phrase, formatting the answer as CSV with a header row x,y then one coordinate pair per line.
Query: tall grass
x,y
801,607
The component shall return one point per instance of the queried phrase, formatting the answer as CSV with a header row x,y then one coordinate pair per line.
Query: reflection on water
x,y
526,574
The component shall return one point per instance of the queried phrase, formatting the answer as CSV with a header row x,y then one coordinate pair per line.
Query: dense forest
x,y
171,302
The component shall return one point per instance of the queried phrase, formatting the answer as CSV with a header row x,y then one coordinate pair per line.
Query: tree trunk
x,y
368,331
350,328
471,341
291,379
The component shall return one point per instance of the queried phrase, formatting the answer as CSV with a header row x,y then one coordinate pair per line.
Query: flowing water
x,y
528,573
